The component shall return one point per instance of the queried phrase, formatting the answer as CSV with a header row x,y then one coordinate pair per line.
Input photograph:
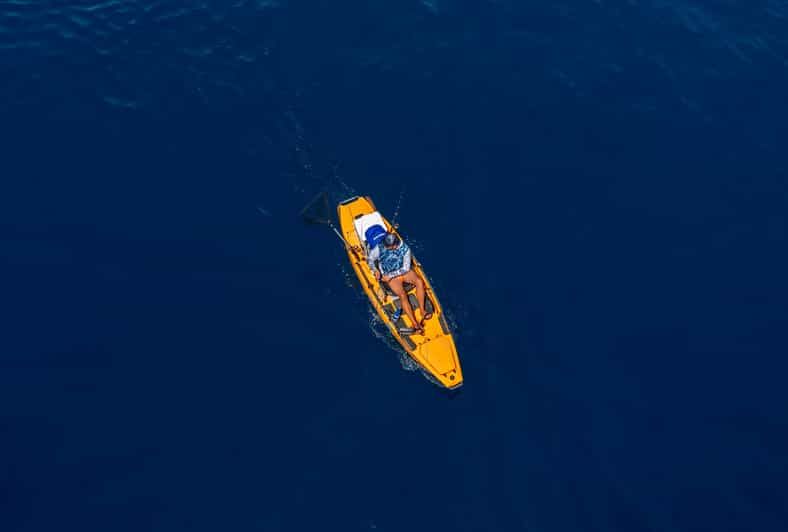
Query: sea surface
x,y
597,189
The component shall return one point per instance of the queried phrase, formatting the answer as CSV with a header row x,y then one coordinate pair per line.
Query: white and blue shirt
x,y
392,262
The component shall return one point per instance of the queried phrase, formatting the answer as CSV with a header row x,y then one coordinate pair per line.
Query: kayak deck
x,y
434,350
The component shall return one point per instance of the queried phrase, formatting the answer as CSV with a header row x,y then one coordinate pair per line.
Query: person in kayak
x,y
390,259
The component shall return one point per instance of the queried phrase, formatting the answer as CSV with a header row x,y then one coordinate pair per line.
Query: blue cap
x,y
374,234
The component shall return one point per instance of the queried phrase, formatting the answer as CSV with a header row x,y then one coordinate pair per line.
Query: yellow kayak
x,y
434,350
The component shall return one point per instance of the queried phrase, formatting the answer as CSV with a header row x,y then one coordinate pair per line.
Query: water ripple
x,y
205,48
115,42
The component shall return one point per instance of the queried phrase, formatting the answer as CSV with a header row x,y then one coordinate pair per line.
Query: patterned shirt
x,y
391,262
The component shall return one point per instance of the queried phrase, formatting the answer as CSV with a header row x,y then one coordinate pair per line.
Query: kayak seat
x,y
414,303
364,222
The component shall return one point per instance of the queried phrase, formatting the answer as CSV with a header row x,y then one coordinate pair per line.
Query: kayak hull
x,y
435,350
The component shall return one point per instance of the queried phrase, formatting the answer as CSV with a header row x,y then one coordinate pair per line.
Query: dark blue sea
x,y
597,189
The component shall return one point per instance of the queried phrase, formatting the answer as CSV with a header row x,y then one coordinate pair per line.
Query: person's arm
x,y
407,258
372,259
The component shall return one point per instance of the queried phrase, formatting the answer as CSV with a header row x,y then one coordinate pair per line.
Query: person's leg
x,y
397,288
415,280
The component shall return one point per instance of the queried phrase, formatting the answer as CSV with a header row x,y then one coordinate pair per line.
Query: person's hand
x,y
377,275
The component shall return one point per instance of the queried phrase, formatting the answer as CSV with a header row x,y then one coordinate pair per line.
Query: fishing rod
x,y
339,235
321,200
399,205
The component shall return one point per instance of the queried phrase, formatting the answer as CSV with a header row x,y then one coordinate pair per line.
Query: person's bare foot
x,y
424,318
418,328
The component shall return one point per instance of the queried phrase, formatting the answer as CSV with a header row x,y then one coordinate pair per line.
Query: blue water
x,y
597,189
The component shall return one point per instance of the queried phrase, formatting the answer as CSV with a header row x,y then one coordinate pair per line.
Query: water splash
x,y
381,331
408,364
